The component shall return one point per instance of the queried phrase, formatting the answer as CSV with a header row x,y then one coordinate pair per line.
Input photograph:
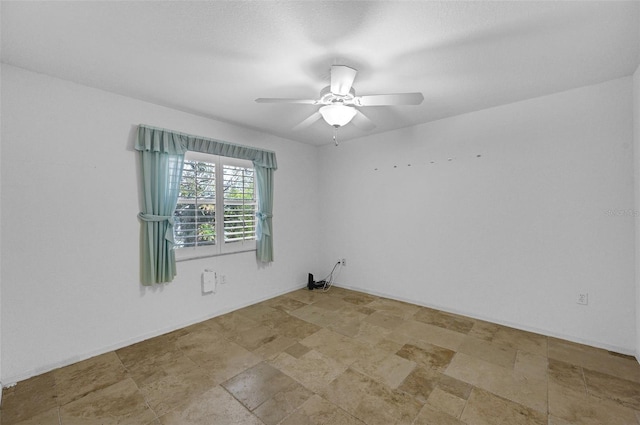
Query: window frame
x,y
221,247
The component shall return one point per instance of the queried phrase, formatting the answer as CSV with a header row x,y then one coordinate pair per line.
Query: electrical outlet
x,y
344,262
583,298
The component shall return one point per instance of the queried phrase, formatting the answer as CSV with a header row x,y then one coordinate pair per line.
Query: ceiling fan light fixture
x,y
337,115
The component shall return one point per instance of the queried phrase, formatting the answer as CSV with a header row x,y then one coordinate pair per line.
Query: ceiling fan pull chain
x,y
335,135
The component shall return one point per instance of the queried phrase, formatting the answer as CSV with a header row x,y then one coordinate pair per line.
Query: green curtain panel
x,y
264,226
161,173
161,157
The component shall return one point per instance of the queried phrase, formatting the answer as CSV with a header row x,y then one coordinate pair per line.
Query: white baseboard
x,y
74,359
545,332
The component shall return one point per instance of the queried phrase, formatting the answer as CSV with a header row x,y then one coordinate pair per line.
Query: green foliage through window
x,y
199,212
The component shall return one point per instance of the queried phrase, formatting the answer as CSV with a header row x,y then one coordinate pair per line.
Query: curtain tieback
x,y
263,221
168,235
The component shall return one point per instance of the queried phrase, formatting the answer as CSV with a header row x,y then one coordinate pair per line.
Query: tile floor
x,y
337,358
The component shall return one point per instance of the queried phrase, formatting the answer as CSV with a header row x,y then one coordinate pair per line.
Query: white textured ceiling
x,y
214,58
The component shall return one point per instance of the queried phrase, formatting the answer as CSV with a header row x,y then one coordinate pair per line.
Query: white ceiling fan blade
x,y
361,121
306,123
285,100
342,79
390,99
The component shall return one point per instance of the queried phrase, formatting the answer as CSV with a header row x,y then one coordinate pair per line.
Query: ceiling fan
x,y
339,101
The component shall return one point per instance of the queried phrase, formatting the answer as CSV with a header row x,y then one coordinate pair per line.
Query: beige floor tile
x,y
428,356
254,338
221,360
273,348
29,398
578,408
331,303
388,369
621,391
531,392
454,386
372,335
48,417
343,418
386,344
420,383
306,296
348,323
446,402
215,406
278,407
395,308
449,321
263,314
488,351
297,350
79,379
530,365
284,303
370,401
384,320
358,298
566,375
172,391
313,369
336,346
430,416
150,349
158,366
231,323
521,340
337,292
296,328
314,411
257,384
485,331
318,411
594,359
120,404
364,309
484,408
316,315
201,339
413,332
557,421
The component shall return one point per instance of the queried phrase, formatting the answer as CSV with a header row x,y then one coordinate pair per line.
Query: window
x,y
216,208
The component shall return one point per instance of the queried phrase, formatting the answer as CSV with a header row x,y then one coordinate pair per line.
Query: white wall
x,y
636,161
70,260
512,236
0,243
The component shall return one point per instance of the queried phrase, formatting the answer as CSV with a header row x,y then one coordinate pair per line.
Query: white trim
x,y
201,256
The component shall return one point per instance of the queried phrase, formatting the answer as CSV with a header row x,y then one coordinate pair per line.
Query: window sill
x,y
201,256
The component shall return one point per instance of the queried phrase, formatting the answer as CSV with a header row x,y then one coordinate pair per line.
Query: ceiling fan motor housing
x,y
328,98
